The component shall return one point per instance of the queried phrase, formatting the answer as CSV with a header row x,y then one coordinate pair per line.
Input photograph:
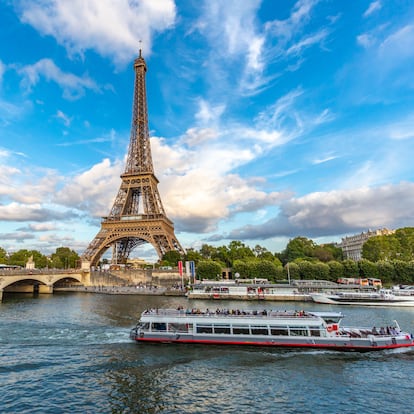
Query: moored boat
x,y
381,298
264,328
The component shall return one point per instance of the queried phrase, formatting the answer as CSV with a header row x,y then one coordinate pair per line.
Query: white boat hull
x,y
342,300
269,329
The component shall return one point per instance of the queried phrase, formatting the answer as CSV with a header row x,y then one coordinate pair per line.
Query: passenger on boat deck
x,y
374,331
382,331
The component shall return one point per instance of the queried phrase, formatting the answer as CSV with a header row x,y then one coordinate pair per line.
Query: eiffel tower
x,y
137,215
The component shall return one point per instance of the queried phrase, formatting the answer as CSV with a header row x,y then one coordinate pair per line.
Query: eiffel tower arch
x,y
137,215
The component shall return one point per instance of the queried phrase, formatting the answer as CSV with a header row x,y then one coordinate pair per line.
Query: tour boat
x,y
264,328
381,298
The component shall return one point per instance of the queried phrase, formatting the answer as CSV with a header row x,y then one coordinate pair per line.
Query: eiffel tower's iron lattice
x,y
137,215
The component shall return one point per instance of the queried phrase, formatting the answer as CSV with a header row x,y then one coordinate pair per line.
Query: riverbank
x,y
125,290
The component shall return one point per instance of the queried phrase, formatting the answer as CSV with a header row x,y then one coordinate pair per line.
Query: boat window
x,y
205,328
221,329
315,331
159,326
279,330
177,327
299,331
241,330
259,330
144,325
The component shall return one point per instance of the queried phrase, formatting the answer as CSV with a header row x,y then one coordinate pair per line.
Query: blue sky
x,y
268,119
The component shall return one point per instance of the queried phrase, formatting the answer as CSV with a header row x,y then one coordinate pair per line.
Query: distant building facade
x,y
352,245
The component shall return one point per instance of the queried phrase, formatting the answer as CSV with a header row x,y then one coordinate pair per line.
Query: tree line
x,y
389,258
62,258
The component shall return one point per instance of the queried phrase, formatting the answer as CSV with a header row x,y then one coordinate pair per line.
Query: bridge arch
x,y
43,282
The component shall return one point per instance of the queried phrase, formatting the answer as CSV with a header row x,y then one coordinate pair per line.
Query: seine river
x,y
70,353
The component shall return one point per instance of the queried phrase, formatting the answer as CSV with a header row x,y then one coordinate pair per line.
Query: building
x,y
352,245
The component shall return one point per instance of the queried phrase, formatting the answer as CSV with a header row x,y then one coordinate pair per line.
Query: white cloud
x,y
2,70
66,119
42,226
73,86
306,42
366,40
94,190
31,212
337,212
112,28
372,8
398,46
207,113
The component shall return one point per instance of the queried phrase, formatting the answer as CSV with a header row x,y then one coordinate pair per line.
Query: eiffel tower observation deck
x,y
137,215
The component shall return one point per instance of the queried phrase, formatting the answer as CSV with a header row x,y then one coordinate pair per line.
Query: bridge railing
x,y
13,272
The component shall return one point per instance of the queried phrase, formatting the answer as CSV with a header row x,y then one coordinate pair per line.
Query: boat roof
x,y
181,314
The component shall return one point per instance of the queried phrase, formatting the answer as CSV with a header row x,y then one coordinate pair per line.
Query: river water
x,y
71,353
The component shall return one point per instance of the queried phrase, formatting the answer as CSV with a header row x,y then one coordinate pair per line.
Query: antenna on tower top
x,y
140,48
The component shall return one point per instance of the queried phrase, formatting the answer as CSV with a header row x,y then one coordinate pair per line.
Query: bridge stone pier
x,y
41,281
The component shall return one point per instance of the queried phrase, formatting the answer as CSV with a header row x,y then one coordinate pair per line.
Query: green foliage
x,y
298,248
404,271
242,268
193,255
397,246
350,268
321,271
292,271
171,258
336,270
263,253
65,258
263,269
386,271
335,251
305,269
3,256
368,269
21,257
207,252
385,247
405,237
209,269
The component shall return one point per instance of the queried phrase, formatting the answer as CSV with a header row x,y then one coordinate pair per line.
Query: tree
x,y
298,248
385,247
64,258
263,269
322,254
208,269
242,268
368,269
171,258
320,271
403,272
221,254
207,252
336,270
385,271
193,255
292,271
350,268
3,256
39,259
405,237
238,250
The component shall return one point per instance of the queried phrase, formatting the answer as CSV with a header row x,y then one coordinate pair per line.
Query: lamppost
x,y
288,273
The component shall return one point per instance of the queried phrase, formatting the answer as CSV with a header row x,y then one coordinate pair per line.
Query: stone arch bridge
x,y
41,281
